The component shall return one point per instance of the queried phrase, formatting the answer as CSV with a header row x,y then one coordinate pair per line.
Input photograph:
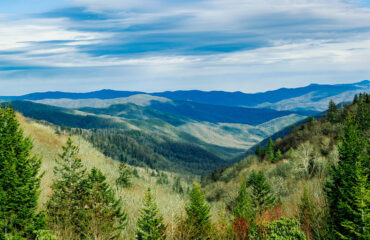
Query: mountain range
x,y
182,130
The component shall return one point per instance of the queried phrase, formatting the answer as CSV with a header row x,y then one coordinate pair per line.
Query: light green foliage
x,y
82,206
125,175
243,208
19,179
261,194
63,206
198,222
45,235
101,215
284,229
278,155
150,224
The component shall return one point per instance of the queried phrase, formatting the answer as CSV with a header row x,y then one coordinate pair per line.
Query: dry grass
x,y
47,145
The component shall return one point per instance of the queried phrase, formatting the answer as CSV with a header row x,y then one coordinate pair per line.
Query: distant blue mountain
x,y
211,97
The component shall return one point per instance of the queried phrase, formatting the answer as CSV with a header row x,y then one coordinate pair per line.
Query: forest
x,y
310,184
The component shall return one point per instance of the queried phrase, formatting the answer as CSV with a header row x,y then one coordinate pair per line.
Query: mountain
x,y
157,139
313,97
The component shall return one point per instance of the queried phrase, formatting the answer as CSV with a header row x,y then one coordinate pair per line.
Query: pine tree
x,y
348,188
244,215
150,224
64,204
177,187
198,223
261,195
19,179
278,155
125,175
270,150
332,112
100,216
259,151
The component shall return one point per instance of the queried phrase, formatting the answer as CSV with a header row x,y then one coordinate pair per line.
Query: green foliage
x,y
82,205
261,195
284,229
63,205
45,235
150,224
312,219
125,174
177,187
198,222
162,178
348,189
278,155
100,215
332,112
244,215
19,179
270,150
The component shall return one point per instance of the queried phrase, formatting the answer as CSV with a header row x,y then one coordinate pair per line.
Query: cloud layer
x,y
155,45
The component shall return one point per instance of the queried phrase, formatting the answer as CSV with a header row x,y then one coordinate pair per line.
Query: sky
x,y
160,45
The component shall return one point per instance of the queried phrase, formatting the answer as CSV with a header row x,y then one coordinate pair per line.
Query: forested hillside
x,y
160,140
311,184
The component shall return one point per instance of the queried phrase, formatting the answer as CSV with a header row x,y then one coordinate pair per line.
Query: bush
x,y
284,229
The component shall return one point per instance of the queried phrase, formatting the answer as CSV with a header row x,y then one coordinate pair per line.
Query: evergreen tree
x,y
261,195
332,112
19,179
355,99
259,151
124,179
177,187
348,188
363,113
198,223
63,206
100,216
150,224
244,215
278,155
270,150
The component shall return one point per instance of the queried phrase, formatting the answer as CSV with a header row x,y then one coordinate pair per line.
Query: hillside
x,y
176,142
47,145
304,157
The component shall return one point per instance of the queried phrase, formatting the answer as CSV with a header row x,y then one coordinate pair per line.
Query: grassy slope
x,y
47,145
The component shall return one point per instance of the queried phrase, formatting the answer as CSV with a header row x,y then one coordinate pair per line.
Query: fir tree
x,y
278,155
332,112
261,195
19,179
348,188
100,216
244,215
270,150
198,221
150,224
124,179
177,187
259,151
63,206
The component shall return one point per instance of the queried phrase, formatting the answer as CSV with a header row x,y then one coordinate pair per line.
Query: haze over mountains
x,y
184,128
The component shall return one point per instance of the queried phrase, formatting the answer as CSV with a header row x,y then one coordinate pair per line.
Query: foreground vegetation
x,y
312,184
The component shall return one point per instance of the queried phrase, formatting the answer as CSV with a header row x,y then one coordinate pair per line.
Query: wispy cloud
x,y
165,45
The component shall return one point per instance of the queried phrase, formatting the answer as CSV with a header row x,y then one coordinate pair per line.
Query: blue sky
x,y
157,45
